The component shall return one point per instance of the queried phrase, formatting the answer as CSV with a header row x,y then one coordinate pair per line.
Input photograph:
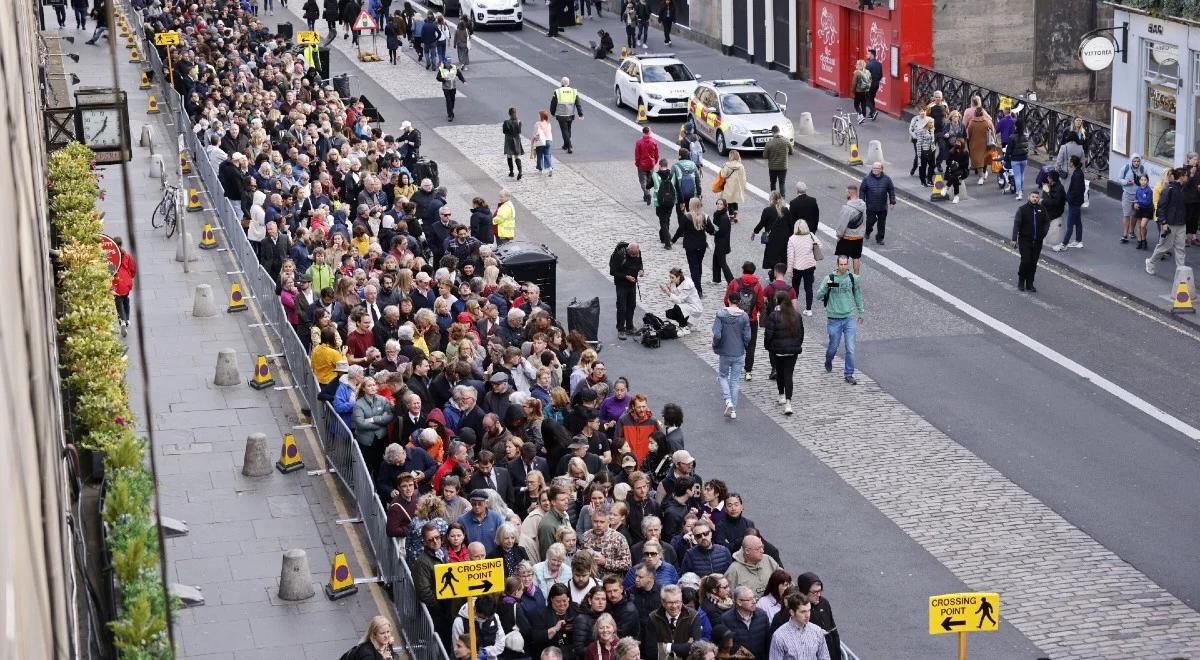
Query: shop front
x,y
1155,94
900,33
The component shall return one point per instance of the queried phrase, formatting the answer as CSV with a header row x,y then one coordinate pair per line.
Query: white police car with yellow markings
x,y
738,114
660,81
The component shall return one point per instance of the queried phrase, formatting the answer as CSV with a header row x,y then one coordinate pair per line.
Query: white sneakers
x,y
808,312
747,376
782,399
729,411
787,408
1075,244
1149,266
1059,248
955,200
981,180
732,414
683,332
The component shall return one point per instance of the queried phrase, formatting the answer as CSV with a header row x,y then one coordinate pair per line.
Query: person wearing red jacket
x,y
122,284
645,158
745,284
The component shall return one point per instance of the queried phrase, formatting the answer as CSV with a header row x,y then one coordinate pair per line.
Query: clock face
x,y
101,127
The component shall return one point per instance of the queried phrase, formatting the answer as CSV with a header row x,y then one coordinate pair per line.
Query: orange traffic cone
x,y
237,301
207,240
152,106
262,374
289,456
341,583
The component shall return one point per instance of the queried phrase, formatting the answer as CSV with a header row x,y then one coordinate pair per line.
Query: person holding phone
x,y
842,295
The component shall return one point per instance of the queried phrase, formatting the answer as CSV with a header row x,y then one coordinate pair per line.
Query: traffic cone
x,y
624,52
237,302
262,374
133,56
642,117
1181,302
341,583
207,241
855,157
289,456
145,82
578,18
152,106
129,42
938,194
184,165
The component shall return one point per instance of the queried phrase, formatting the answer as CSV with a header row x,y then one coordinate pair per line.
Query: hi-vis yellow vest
x,y
566,102
506,220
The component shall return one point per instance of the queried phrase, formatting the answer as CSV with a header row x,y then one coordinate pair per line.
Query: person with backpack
x,y
733,336
783,336
686,177
625,266
747,293
733,191
662,198
376,644
851,228
489,634
844,310
684,298
862,90
691,141
645,157
694,233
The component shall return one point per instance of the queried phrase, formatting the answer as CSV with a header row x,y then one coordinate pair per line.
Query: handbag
x,y
513,640
818,255
718,183
765,237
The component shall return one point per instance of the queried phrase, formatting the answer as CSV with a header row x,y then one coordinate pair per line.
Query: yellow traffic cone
x,y
1181,302
624,52
938,194
341,582
184,165
207,240
578,18
237,301
152,106
145,81
133,56
130,43
289,456
855,157
642,117
262,374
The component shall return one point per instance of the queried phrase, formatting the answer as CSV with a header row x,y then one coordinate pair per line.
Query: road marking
x,y
903,273
523,43
1007,286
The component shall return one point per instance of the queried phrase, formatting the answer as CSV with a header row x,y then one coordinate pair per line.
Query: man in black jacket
x,y
625,266
1029,230
1075,197
1172,219
805,208
622,609
274,251
672,626
232,178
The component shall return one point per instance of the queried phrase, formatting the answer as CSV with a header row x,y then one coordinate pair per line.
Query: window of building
x,y
1160,71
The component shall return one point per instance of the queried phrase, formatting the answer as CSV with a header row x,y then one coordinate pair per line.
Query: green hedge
x,y
93,372
1187,9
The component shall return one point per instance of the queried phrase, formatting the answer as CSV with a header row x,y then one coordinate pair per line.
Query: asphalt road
x,y
1110,469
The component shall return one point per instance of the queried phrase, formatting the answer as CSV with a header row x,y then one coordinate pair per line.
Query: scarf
x,y
723,603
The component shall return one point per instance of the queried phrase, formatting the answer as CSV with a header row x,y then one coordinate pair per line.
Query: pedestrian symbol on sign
x,y
448,580
984,612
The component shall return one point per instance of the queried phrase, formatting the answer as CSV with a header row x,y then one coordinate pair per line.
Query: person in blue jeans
x,y
1075,197
731,336
844,310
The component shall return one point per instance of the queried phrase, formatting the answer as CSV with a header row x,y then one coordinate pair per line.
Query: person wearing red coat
x,y
645,159
122,285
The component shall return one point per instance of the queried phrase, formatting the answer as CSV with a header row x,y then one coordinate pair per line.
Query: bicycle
x,y
843,128
167,211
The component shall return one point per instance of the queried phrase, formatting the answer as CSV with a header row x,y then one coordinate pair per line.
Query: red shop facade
x,y
900,31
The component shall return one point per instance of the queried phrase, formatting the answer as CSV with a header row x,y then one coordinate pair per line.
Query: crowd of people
x,y
490,430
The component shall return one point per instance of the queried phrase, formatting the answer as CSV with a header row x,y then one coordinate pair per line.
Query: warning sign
x,y
166,39
951,613
364,21
469,578
307,38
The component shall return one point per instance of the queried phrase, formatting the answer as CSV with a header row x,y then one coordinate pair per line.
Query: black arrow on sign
x,y
948,623
486,585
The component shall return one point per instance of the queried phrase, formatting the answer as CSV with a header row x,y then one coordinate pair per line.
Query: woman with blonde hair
x,y
802,262
695,240
376,643
861,84
734,192
584,368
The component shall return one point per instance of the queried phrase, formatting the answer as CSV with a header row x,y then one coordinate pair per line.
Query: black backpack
x,y
666,190
617,259
663,329
650,338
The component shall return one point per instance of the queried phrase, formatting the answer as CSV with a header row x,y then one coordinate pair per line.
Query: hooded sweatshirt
x,y
257,230
731,332
853,210
755,576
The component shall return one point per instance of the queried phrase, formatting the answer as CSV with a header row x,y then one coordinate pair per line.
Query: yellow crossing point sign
x,y
166,39
971,612
308,38
469,578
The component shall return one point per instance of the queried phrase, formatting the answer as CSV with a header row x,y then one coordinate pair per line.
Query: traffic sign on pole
x,y
307,38
364,21
166,39
967,612
469,578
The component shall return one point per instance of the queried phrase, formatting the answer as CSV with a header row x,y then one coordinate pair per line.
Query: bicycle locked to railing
x,y
844,134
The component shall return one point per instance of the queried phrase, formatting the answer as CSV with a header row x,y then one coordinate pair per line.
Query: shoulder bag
x,y
817,254
513,640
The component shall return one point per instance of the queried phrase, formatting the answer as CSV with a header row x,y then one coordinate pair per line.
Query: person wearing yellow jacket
x,y
505,220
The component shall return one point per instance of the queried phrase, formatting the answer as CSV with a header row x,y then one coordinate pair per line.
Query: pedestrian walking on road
x,y
879,194
875,68
122,284
861,82
958,165
776,223
1130,178
539,144
804,207
783,337
721,231
450,75
851,228
666,18
349,11
1029,230
625,266
429,41
776,151
662,198
643,21
462,44
565,106
747,293
802,251
842,296
513,148
645,158
734,190
312,11
1075,199
732,338
915,126
1172,221
694,232
443,37
686,177
333,13
685,299
80,8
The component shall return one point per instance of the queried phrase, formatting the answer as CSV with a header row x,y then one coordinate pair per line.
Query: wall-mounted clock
x,y
102,123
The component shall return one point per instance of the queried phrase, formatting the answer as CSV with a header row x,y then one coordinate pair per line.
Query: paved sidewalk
x,y
239,526
1103,260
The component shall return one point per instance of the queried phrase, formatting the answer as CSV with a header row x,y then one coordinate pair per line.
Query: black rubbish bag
x,y
584,316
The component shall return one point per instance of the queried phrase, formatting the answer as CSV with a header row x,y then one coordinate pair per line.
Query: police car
x,y
738,114
489,13
658,80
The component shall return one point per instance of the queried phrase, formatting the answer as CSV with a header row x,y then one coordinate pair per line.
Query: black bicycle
x,y
167,211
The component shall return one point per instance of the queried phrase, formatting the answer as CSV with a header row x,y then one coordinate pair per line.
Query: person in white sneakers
x,y
784,338
682,293
1075,199
731,338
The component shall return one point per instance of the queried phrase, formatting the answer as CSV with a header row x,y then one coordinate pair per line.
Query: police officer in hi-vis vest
x,y
564,105
447,74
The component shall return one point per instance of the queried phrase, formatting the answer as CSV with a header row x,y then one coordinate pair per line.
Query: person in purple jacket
x,y
615,404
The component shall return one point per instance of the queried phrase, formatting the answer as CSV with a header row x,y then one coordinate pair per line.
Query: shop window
x,y
1160,71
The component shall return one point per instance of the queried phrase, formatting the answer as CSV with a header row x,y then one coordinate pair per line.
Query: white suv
x,y
490,13
738,114
660,81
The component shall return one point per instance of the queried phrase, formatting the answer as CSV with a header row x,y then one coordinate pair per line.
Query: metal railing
x,y
1045,124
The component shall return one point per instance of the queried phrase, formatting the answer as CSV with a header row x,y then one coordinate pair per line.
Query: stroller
x,y
1004,175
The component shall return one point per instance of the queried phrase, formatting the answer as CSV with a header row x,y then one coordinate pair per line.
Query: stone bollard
x,y
157,168
255,463
295,580
805,127
227,373
202,304
875,152
179,249
147,139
